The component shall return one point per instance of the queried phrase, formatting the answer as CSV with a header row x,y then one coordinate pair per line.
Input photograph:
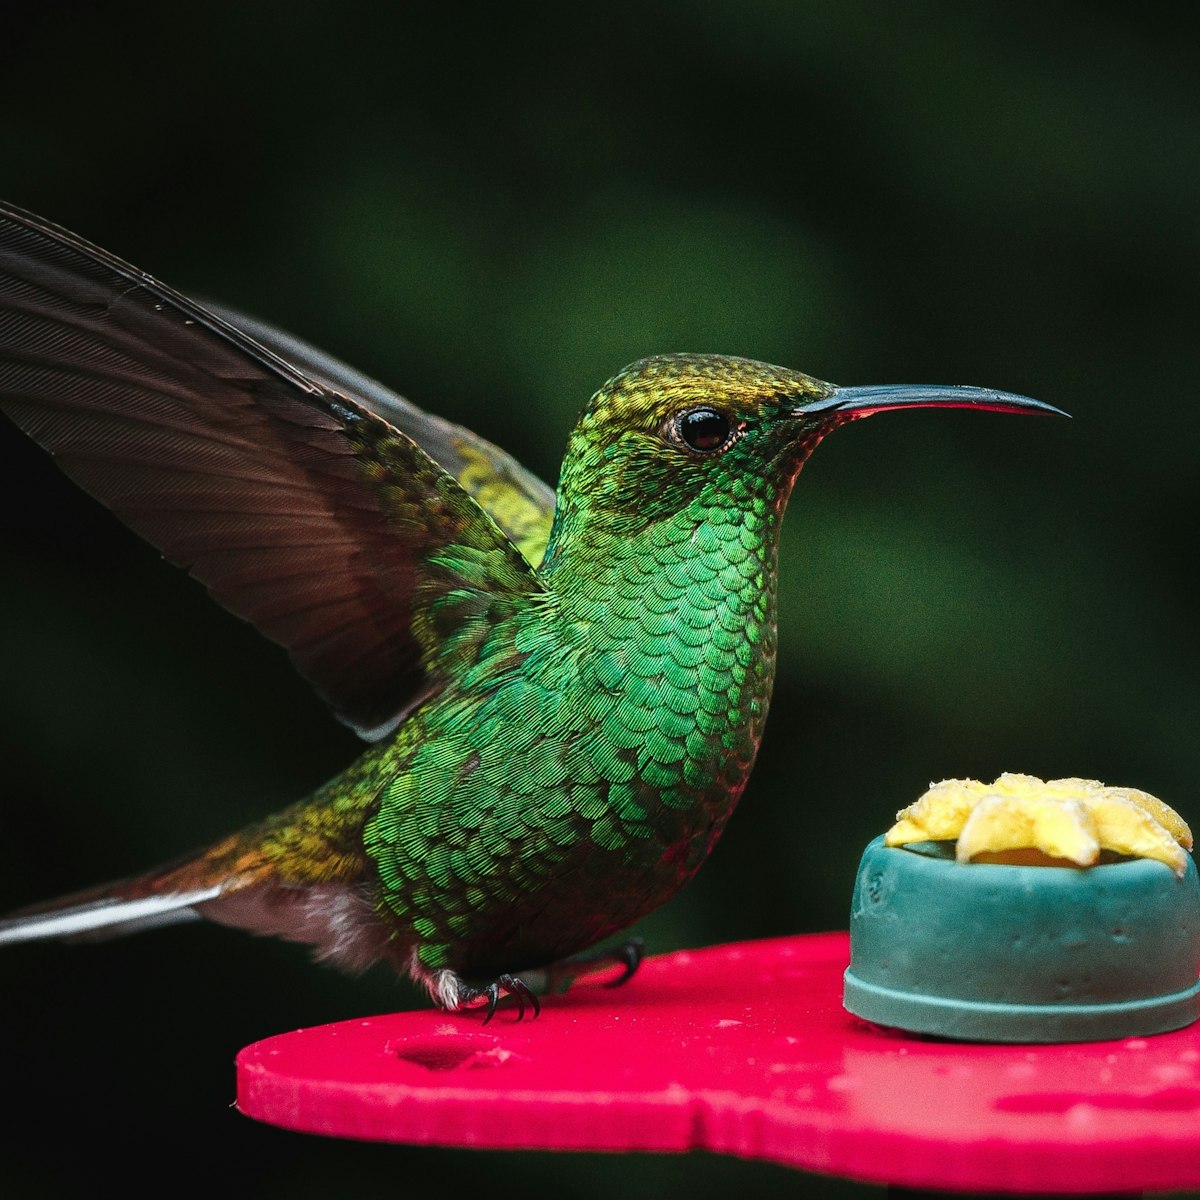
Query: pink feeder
x,y
746,1049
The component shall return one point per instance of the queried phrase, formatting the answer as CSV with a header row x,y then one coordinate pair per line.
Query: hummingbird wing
x,y
516,499
298,507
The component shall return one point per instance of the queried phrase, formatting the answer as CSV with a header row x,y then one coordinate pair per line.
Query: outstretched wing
x,y
516,499
298,508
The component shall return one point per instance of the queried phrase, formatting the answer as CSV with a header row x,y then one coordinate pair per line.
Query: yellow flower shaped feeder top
x,y
1026,821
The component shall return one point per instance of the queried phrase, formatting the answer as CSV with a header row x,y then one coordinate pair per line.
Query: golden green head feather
x,y
667,429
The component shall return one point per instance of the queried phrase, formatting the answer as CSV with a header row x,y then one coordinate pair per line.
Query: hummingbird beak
x,y
851,403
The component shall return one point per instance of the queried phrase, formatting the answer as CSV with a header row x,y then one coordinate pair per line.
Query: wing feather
x,y
517,500
300,508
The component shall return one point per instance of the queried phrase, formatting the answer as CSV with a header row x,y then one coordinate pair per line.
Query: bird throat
x,y
679,619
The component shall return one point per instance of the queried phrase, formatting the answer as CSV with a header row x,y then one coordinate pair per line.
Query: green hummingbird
x,y
563,692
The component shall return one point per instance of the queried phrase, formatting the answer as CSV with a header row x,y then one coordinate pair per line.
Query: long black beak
x,y
851,403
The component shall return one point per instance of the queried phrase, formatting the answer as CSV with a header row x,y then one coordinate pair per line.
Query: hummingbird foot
x,y
628,955
453,993
515,987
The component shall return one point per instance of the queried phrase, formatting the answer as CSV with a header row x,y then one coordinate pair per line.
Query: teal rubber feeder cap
x,y
999,953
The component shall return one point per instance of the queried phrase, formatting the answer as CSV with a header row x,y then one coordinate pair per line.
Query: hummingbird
x,y
562,691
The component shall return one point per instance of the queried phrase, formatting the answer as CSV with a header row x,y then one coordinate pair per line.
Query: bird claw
x,y
629,955
515,987
453,992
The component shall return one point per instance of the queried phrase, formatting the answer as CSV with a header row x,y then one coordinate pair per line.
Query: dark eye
x,y
703,429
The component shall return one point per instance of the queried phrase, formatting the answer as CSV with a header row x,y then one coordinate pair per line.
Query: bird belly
x,y
550,801
516,852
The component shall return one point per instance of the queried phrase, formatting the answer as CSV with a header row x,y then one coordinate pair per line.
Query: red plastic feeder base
x,y
746,1050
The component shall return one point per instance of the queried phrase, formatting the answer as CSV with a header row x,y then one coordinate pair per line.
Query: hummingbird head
x,y
677,430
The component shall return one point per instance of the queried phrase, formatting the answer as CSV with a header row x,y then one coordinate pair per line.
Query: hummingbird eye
x,y
704,430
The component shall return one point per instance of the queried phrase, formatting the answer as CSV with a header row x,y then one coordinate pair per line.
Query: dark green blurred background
x,y
493,207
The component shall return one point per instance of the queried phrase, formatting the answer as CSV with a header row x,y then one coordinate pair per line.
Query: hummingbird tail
x,y
337,920
104,915
324,901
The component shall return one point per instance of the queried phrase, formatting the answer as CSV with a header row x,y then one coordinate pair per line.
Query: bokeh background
x,y
492,207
